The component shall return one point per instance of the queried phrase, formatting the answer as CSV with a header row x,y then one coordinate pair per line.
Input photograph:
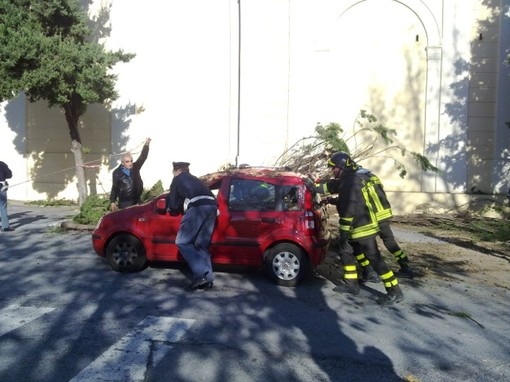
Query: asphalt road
x,y
64,315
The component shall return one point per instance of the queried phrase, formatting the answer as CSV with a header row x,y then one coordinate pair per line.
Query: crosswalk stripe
x,y
130,357
15,316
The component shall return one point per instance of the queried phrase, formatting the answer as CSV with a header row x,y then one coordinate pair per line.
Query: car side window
x,y
290,198
215,189
251,195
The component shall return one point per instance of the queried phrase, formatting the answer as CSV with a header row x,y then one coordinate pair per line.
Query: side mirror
x,y
161,206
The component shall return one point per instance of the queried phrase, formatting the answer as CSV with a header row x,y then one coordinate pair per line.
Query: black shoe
x,y
393,296
199,283
207,286
8,229
196,284
405,273
351,287
368,275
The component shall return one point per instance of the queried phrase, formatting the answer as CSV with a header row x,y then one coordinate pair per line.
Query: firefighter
x,y
383,214
358,228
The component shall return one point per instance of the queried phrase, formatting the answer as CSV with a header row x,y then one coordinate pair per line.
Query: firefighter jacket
x,y
353,205
378,198
129,187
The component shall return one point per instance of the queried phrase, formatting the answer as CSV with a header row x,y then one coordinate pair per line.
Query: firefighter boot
x,y
394,294
369,275
405,271
350,286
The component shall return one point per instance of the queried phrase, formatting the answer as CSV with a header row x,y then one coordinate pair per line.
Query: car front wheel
x,y
287,264
126,254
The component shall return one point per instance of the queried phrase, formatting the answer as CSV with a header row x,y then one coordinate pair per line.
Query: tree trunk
x,y
72,114
80,172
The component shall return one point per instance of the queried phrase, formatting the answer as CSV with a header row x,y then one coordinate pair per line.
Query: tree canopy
x,y
309,155
48,51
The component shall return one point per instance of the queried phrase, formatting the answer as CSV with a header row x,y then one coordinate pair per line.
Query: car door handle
x,y
269,220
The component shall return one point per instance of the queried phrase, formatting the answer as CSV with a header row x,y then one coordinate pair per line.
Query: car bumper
x,y
318,251
98,244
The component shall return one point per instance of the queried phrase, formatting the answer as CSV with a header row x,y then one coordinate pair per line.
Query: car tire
x,y
126,254
287,264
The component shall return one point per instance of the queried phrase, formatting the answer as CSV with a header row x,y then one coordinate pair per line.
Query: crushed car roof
x,y
268,172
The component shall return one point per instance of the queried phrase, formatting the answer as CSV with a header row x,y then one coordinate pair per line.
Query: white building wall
x,y
13,146
409,62
182,82
501,166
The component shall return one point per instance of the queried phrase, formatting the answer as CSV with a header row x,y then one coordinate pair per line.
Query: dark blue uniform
x,y
191,197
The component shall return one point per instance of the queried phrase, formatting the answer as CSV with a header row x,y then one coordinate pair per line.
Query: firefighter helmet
x,y
342,160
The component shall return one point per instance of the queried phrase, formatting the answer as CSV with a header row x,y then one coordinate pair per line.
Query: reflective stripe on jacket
x,y
378,198
357,216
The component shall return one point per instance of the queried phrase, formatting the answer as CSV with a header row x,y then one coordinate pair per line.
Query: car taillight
x,y
309,215
309,223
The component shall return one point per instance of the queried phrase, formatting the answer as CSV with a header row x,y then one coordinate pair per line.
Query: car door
x,y
247,214
163,228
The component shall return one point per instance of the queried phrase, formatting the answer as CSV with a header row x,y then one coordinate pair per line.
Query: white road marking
x,y
130,357
14,316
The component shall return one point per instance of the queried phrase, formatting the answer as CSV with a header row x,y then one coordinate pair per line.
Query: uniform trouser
x,y
194,239
368,246
388,239
3,209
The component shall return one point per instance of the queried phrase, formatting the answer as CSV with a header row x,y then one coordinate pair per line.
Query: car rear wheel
x,y
287,264
126,254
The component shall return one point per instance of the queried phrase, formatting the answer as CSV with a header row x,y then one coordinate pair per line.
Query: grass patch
x,y
53,203
467,226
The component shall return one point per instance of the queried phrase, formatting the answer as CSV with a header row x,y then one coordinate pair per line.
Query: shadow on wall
x,y
43,140
477,92
45,145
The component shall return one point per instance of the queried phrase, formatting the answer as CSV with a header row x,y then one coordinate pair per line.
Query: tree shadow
x,y
478,140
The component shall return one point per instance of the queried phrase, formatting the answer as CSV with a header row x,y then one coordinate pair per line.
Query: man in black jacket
x,y
127,184
191,197
5,173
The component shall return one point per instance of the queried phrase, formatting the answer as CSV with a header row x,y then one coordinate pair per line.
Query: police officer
x,y
191,197
127,184
358,228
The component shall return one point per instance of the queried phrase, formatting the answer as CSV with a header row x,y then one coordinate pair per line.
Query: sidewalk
x,y
27,217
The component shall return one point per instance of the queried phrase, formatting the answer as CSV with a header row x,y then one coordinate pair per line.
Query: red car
x,y
266,217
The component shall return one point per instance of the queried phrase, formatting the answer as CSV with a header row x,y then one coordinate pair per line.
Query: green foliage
x,y
52,202
479,228
331,136
156,190
310,154
49,50
93,208
46,52
491,229
424,163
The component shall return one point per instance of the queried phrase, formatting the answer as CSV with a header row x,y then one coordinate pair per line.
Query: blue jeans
x,y
194,239
3,209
